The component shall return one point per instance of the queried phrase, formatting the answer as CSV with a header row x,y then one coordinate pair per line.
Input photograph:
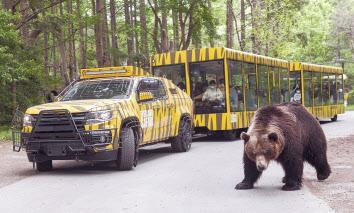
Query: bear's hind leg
x,y
317,157
251,174
293,174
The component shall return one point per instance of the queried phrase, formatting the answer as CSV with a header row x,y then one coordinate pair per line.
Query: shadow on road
x,y
328,122
146,155
212,139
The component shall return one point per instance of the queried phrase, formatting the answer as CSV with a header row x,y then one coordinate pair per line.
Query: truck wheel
x,y
183,141
44,166
126,151
335,117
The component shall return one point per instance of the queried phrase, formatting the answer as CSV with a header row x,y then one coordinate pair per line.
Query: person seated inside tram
x,y
221,86
295,93
213,95
333,92
199,90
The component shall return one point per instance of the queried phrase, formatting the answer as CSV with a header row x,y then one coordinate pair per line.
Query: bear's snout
x,y
262,163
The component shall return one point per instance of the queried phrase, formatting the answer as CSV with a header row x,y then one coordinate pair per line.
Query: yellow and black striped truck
x,y
106,116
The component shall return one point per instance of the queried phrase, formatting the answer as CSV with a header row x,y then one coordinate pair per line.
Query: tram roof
x,y
214,53
297,66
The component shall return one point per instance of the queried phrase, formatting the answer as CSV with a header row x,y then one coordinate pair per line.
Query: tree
x,y
115,57
229,24
128,25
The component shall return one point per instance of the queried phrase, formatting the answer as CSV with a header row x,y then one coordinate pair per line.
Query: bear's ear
x,y
245,136
273,137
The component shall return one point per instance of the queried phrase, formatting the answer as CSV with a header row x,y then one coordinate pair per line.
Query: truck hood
x,y
73,106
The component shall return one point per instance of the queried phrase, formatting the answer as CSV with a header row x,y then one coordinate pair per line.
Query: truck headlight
x,y
99,117
27,120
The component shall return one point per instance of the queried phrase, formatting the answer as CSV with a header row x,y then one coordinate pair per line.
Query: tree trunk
x,y
254,27
115,56
82,36
135,33
105,36
7,4
164,29
157,45
182,25
46,55
211,38
98,40
63,65
24,30
71,43
190,32
130,42
229,24
54,43
144,30
243,25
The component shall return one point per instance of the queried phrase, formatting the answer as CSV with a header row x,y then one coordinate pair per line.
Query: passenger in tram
x,y
213,95
295,94
221,86
333,92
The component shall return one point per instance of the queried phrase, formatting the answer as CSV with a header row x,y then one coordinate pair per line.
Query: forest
x,y
44,43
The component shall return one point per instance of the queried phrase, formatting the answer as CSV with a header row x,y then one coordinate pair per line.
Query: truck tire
x,y
44,166
126,152
183,141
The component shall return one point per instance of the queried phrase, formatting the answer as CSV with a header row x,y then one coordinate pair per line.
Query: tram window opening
x,y
325,88
284,85
236,88
295,87
208,86
308,93
274,85
332,89
340,88
316,78
263,85
249,74
176,73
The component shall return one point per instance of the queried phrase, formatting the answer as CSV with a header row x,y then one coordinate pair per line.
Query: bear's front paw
x,y
283,180
244,185
323,176
291,187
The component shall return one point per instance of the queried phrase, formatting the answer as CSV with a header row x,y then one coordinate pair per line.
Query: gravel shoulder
x,y
14,165
338,190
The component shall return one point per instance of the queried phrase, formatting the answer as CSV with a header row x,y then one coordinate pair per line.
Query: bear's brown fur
x,y
288,134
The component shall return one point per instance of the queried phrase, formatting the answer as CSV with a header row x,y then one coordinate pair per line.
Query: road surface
x,y
201,180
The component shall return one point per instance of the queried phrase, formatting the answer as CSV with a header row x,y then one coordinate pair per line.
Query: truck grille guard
x,y
60,133
56,130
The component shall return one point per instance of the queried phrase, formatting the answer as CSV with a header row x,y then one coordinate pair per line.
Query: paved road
x,y
201,180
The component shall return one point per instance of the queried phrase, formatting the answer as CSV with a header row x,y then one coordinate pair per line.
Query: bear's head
x,y
263,147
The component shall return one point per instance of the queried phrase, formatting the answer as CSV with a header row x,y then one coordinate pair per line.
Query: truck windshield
x,y
98,89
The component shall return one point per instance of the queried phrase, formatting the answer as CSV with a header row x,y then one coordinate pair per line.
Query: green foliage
x,y
5,133
20,70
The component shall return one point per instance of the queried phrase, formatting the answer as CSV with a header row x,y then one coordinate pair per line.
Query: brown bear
x,y
288,134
